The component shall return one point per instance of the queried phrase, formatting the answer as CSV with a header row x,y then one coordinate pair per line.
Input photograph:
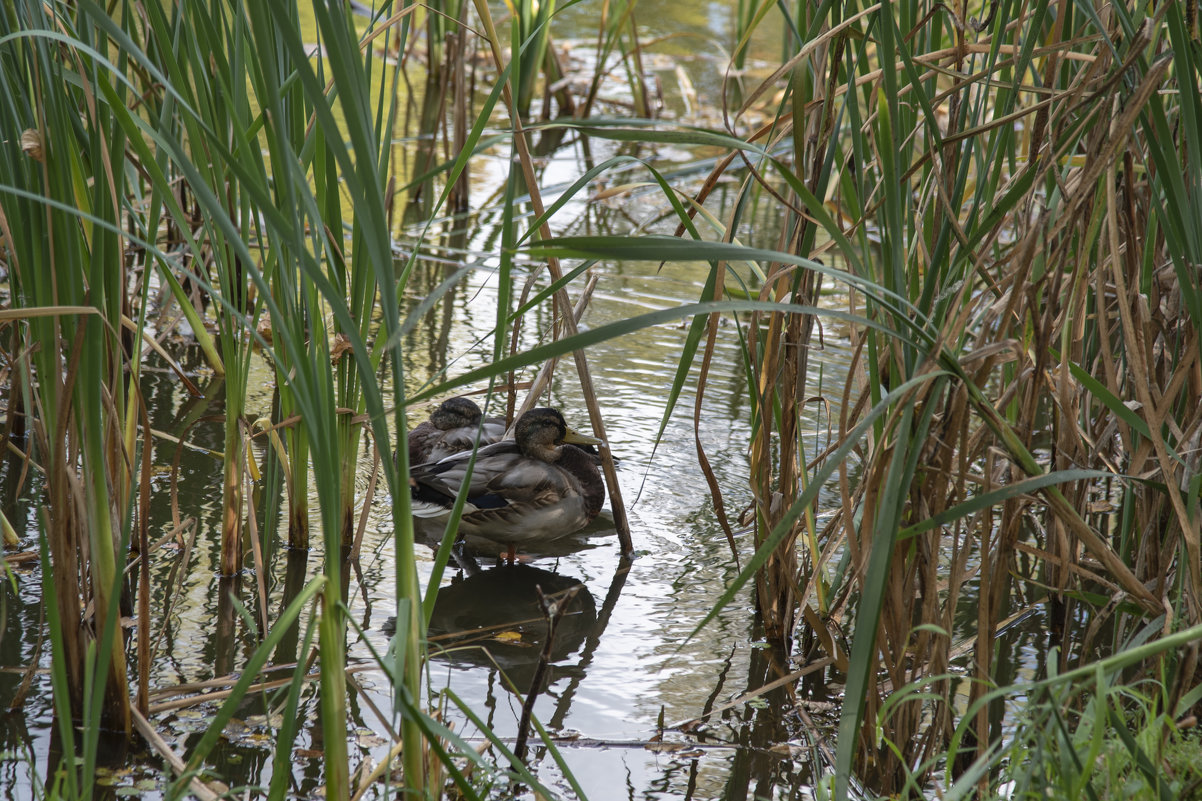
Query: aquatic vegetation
x,y
996,236
993,216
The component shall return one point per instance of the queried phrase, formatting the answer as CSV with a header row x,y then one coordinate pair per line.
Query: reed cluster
x,y
1003,198
1006,195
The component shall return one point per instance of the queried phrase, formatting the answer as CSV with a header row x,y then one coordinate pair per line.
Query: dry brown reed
x,y
1051,334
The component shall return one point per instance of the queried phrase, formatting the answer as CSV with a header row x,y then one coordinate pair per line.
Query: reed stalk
x,y
288,137
943,215
207,48
362,167
523,171
533,30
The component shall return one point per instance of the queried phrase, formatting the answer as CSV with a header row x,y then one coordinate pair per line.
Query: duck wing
x,y
507,492
534,500
428,443
530,482
458,440
435,485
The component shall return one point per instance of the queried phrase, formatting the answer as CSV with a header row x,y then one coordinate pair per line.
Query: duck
x,y
451,429
537,487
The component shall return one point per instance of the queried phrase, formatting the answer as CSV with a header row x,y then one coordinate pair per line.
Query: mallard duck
x,y
534,487
451,429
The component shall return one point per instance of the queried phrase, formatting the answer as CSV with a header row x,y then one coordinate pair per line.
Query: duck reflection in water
x,y
494,618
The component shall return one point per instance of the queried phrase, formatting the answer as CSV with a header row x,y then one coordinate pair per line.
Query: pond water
x,y
626,656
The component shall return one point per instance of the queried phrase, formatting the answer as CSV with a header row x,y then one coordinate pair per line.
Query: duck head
x,y
541,433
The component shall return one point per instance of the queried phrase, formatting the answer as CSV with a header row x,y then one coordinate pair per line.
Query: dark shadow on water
x,y
769,750
493,619
229,590
757,770
295,571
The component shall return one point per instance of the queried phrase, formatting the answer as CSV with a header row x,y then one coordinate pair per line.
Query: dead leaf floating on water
x,y
31,144
369,739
